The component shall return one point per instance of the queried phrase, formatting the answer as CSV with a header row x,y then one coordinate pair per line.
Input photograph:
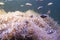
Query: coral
x,y
25,26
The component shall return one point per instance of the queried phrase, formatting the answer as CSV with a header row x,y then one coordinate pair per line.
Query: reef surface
x,y
28,25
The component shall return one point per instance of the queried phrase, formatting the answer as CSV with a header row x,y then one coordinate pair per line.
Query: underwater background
x,y
14,5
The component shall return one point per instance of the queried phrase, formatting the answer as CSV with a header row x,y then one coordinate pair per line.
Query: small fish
x,y
39,0
43,15
21,5
48,12
40,7
10,0
50,3
1,3
28,4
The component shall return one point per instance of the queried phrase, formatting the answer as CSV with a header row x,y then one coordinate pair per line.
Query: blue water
x,y
15,5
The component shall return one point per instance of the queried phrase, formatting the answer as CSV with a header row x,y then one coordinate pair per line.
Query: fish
x,y
28,4
49,11
1,3
43,16
39,0
50,3
21,5
40,7
7,0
